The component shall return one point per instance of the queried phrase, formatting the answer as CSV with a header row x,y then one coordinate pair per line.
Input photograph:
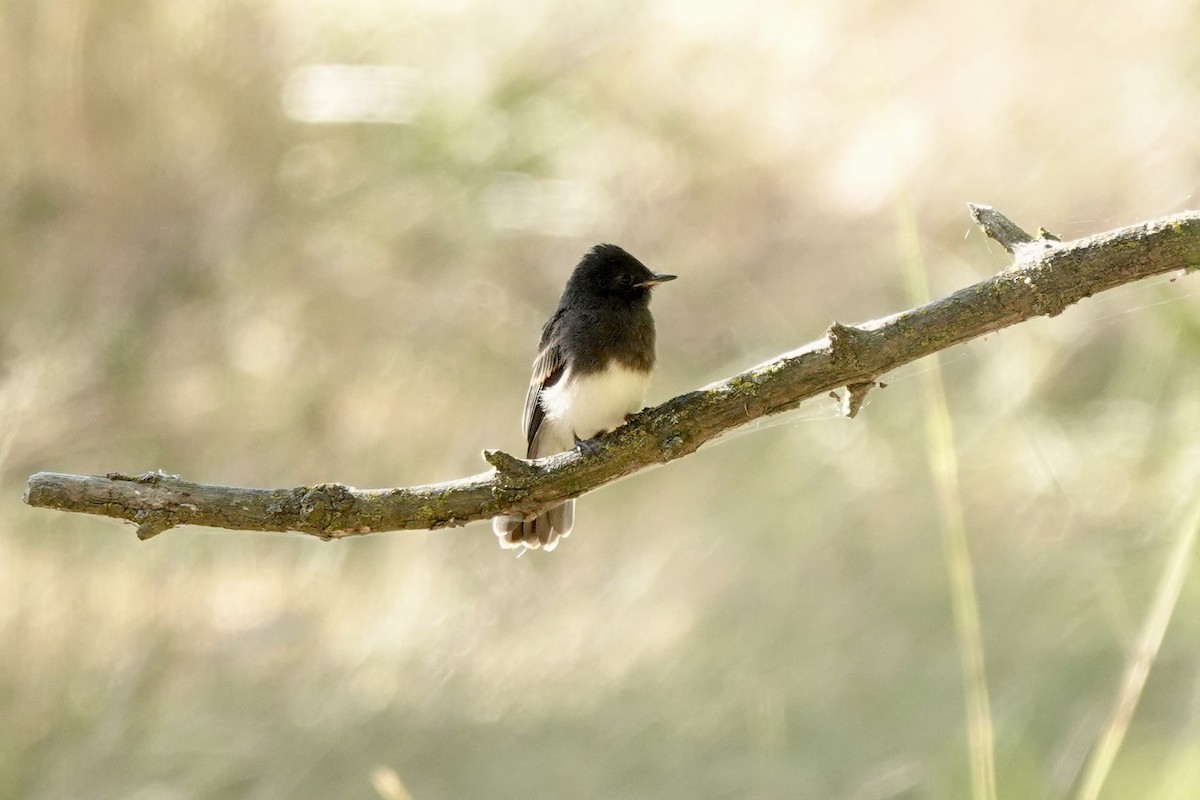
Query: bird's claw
x,y
587,447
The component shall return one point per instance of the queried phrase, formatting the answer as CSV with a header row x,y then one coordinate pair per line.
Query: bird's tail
x,y
543,531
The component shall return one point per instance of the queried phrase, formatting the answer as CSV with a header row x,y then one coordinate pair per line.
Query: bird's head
x,y
608,271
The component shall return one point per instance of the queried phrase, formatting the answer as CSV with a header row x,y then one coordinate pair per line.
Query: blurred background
x,y
273,244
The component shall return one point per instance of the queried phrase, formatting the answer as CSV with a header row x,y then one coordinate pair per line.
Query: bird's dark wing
x,y
548,369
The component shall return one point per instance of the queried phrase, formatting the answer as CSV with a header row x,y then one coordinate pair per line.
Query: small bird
x,y
590,374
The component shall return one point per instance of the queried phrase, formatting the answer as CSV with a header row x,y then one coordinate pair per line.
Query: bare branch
x,y
1047,276
999,227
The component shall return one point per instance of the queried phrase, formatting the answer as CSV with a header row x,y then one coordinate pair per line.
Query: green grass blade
x,y
1137,670
943,464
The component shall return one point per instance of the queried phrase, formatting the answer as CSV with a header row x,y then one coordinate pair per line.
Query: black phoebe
x,y
591,372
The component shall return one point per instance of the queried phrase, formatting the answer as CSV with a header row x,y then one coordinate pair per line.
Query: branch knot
x,y
856,395
846,344
325,505
511,472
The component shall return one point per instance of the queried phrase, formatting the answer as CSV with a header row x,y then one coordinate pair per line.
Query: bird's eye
x,y
625,280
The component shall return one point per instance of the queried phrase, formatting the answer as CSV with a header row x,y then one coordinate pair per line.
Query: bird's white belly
x,y
588,404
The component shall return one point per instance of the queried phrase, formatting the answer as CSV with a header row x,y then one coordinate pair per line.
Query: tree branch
x,y
1046,277
999,227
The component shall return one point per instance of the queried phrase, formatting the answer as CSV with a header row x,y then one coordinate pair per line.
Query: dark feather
x,y
548,369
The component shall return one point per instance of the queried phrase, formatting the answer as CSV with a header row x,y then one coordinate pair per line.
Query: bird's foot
x,y
587,447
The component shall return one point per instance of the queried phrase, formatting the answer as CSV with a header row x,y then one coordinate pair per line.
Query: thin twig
x,y
999,227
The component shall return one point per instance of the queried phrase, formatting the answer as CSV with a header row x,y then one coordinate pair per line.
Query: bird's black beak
x,y
655,279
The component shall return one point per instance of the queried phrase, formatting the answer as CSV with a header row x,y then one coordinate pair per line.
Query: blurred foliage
x,y
201,276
